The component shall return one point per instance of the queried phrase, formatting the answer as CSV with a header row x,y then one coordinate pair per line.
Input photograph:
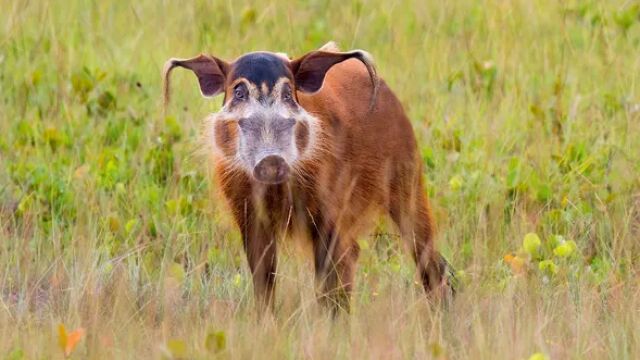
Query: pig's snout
x,y
271,169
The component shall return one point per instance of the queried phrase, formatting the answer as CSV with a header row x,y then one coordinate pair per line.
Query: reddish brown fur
x,y
370,164
367,164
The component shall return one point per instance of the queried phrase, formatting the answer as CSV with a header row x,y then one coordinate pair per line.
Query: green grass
x,y
528,116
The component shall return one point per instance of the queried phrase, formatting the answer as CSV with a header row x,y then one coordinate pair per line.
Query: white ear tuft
x,y
330,46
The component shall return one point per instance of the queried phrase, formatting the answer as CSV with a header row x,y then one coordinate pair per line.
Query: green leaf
x,y
436,350
548,266
172,206
556,240
82,83
513,174
15,354
364,244
565,249
106,101
176,271
130,225
237,280
626,18
215,342
428,157
249,15
178,348
538,356
531,243
456,183
544,193
173,129
53,137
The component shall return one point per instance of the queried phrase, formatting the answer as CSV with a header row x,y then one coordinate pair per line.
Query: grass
x,y
528,116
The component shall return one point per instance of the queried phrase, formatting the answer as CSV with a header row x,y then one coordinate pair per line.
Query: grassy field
x,y
528,117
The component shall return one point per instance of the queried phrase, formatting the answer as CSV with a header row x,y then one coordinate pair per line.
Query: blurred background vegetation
x,y
528,119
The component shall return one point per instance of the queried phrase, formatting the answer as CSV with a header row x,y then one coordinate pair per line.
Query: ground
x,y
528,120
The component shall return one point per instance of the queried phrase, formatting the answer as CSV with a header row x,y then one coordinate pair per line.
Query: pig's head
x,y
261,127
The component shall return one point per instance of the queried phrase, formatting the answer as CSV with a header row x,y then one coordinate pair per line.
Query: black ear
x,y
310,69
211,73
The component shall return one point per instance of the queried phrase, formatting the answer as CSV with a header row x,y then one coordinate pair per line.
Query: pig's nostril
x,y
272,169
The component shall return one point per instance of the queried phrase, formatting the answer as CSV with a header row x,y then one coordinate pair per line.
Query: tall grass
x,y
528,117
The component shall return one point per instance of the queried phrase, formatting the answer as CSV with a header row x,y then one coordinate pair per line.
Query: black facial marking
x,y
261,67
265,100
302,136
251,125
287,96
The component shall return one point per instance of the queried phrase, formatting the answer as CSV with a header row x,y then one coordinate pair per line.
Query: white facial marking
x,y
251,146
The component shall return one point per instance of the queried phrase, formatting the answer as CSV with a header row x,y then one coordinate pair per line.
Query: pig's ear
x,y
310,69
211,73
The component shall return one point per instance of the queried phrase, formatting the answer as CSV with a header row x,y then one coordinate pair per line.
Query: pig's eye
x,y
286,93
240,92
